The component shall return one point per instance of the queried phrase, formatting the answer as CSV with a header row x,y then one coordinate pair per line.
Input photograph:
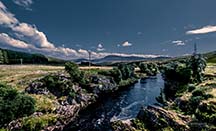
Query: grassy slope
x,y
20,76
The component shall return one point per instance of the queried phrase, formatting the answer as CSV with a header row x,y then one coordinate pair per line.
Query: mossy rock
x,y
36,123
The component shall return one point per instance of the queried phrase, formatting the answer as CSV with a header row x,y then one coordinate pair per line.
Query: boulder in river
x,y
156,118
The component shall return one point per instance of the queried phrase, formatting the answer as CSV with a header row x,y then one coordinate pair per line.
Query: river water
x,y
119,106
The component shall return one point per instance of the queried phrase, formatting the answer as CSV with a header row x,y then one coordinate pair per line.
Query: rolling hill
x,y
16,57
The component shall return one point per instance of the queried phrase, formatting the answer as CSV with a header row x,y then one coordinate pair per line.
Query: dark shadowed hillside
x,y
16,57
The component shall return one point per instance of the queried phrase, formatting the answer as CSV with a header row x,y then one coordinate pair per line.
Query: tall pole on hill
x,y
195,49
89,53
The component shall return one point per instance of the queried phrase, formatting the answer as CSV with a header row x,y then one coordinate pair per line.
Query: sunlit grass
x,y
20,76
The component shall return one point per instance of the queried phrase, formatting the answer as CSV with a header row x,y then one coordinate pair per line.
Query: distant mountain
x,y
17,57
80,60
115,58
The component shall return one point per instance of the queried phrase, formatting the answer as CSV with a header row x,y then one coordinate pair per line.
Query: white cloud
x,y
24,3
139,33
100,47
28,37
126,43
6,39
203,30
61,52
6,18
178,43
128,55
34,36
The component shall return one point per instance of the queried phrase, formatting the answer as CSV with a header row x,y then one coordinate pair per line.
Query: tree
x,y
151,69
197,64
5,54
127,71
116,74
176,76
75,73
1,57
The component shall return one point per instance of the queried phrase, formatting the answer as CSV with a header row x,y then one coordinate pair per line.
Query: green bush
x,y
151,69
75,73
115,73
57,86
105,72
139,125
14,105
127,71
177,72
191,88
194,103
198,92
39,122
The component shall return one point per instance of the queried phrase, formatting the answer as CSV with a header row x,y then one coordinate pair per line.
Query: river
x,y
118,106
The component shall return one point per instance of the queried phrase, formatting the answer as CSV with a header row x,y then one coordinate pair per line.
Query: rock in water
x,y
156,118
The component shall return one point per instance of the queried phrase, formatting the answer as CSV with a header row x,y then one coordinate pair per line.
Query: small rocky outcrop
x,y
37,87
156,118
103,84
16,125
124,125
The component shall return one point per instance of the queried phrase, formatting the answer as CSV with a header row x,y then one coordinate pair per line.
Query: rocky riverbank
x,y
66,103
191,109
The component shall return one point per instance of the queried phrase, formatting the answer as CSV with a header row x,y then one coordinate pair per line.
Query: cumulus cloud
x,y
6,18
35,37
28,37
61,52
203,30
178,43
6,39
24,3
100,47
126,43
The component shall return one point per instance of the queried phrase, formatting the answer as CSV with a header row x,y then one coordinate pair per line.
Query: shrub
x,y
177,72
138,124
194,103
125,83
57,85
176,77
191,88
151,69
39,122
14,105
105,72
127,71
198,92
75,73
116,74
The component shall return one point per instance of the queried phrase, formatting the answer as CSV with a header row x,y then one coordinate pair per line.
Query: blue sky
x,y
69,28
